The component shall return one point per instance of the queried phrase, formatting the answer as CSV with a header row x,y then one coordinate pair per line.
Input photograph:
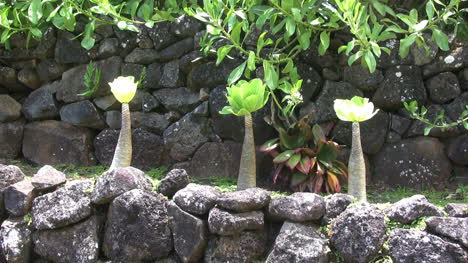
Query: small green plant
x,y
356,110
462,191
92,78
224,184
439,121
245,98
157,173
28,219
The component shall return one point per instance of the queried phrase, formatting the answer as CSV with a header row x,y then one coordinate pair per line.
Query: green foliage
x,y
311,159
157,173
246,97
439,121
91,78
224,184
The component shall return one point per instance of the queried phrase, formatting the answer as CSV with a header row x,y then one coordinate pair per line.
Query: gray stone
x,y
189,245
9,174
361,78
45,47
107,103
40,105
181,99
418,162
65,206
176,50
113,183
173,181
226,223
372,131
162,35
463,78
401,83
137,228
209,75
8,78
136,104
72,83
202,110
443,87
358,233
299,243
172,75
330,74
457,106
16,240
76,243
151,121
65,143
11,138
186,26
420,55
149,103
452,60
135,70
10,109
197,199
386,61
410,245
450,227
332,90
244,247
29,78
456,209
399,124
83,114
244,200
311,81
48,178
50,69
457,150
113,119
68,49
18,198
191,60
335,204
108,48
298,207
183,137
411,208
154,74
142,56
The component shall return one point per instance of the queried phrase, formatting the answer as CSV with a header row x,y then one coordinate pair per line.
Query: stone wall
x,y
175,113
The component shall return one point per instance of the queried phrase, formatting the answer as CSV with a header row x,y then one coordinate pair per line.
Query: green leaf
x,y
269,145
370,61
405,44
440,38
251,61
283,157
305,165
236,73
427,130
318,133
293,161
35,11
36,32
271,76
87,43
324,42
304,40
430,10
327,152
290,26
298,178
222,52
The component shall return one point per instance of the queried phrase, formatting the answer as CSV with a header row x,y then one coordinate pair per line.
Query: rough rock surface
x,y
65,206
76,243
299,243
417,162
150,121
443,87
40,105
18,198
48,178
137,228
173,181
358,233
457,150
9,174
65,143
16,241
335,204
361,78
244,200
244,247
411,208
298,207
82,113
10,109
409,245
456,209
11,138
417,127
197,199
118,181
451,227
225,223
180,99
189,245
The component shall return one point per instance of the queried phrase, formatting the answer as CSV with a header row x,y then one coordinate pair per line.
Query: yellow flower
x,y
124,88
355,110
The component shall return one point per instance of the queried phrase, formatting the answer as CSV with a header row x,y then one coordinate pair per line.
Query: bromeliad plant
x,y
311,159
245,98
124,89
356,110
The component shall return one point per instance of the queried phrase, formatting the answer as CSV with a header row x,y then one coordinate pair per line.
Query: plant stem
x,y
356,166
123,151
247,170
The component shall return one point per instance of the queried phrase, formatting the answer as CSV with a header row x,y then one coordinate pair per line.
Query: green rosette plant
x,y
356,110
244,98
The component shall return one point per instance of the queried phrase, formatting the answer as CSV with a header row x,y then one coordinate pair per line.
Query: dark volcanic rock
x,y
65,143
172,75
181,99
173,181
245,200
456,209
451,227
11,138
361,78
417,127
118,181
335,204
76,243
142,56
225,223
189,245
50,69
410,245
29,78
137,228
311,80
65,206
409,209
40,105
10,109
298,207
358,233
209,75
451,60
162,35
416,162
185,26
176,50
68,49
16,240
82,113
457,150
443,87
48,178
18,198
299,243
150,121
197,199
